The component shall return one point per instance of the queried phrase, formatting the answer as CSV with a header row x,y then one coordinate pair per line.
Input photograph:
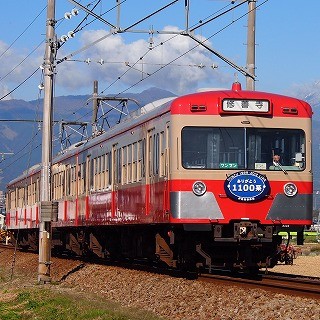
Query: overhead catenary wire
x,y
112,33
24,59
140,58
169,63
175,59
126,29
11,45
199,43
22,33
21,62
20,84
178,57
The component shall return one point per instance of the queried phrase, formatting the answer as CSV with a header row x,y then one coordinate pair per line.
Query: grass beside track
x,y
47,304
309,236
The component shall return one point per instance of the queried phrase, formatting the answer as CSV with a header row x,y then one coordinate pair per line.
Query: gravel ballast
x,y
169,297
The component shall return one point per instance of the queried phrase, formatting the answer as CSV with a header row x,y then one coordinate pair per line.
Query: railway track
x,y
280,283
304,286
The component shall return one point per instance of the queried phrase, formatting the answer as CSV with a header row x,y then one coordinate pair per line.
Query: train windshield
x,y
243,148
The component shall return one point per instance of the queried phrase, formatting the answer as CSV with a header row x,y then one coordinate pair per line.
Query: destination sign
x,y
245,105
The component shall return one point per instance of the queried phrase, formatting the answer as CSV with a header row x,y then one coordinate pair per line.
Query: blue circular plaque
x,y
246,186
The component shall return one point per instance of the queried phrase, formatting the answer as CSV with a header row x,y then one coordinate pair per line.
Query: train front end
x,y
241,174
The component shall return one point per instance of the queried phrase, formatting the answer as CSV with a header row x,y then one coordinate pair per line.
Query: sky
x,y
153,53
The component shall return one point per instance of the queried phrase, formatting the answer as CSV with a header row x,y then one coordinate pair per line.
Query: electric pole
x,y
47,206
251,45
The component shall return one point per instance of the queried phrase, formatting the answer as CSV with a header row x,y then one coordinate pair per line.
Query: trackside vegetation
x,y
43,304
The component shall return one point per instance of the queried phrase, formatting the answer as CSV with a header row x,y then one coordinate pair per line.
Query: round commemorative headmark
x,y
246,186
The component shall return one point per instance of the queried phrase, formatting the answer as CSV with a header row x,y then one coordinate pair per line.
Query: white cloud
x,y
16,65
175,63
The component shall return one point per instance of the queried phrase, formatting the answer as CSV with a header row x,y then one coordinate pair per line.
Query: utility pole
x,y
251,45
47,207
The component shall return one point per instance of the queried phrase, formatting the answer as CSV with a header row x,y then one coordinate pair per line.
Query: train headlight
x,y
290,189
199,188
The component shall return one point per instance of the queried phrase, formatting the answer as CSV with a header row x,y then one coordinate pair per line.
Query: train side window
x,y
150,155
58,185
12,199
20,197
29,200
114,165
37,190
155,170
73,180
33,192
91,174
143,152
162,147
129,163
102,172
98,187
105,171
68,181
140,156
118,164
167,151
124,166
16,197
9,200
81,178
109,164
95,173
134,161
61,178
87,175
99,171
54,179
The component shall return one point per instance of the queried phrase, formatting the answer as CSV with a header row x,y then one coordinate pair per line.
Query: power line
x,y
137,62
19,85
4,52
2,78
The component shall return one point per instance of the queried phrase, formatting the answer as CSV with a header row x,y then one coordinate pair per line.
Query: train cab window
x,y
213,148
276,149
243,148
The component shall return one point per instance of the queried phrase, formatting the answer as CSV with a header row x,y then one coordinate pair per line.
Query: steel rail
x,y
283,283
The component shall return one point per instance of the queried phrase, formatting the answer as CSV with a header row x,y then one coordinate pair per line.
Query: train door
x,y
149,171
166,168
153,196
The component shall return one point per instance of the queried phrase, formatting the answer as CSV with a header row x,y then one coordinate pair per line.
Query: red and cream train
x,y
193,181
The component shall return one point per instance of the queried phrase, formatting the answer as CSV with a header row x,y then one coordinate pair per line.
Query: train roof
x,y
208,101
148,111
151,109
211,101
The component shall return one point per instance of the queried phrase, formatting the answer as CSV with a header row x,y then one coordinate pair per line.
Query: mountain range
x,y
20,127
